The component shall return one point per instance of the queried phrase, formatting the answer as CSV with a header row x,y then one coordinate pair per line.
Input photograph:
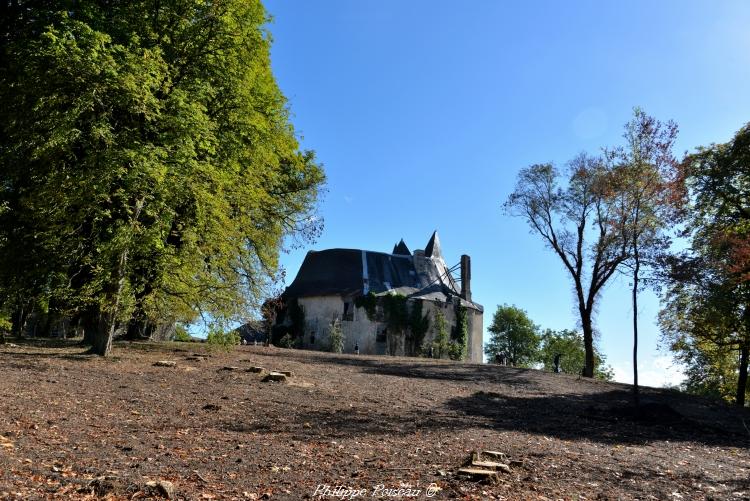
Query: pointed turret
x,y
433,247
401,249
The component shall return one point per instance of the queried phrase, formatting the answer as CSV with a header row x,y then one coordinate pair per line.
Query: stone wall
x,y
358,329
321,311
476,337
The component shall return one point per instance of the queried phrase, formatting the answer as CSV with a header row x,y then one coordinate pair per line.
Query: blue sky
x,y
423,112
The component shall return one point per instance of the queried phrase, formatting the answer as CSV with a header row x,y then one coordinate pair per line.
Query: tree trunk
x,y
108,319
588,342
19,321
742,379
139,328
88,323
47,328
105,332
636,270
102,344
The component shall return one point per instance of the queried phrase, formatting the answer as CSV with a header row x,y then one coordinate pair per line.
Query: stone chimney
x,y
466,277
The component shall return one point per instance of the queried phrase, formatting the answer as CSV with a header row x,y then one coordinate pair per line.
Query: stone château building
x,y
384,303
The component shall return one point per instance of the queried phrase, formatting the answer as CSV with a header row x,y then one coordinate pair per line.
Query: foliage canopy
x,y
514,335
149,168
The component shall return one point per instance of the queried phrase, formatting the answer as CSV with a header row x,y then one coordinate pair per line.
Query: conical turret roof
x,y
401,249
433,246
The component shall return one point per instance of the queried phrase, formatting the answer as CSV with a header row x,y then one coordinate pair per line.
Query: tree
x,y
643,185
569,345
706,310
580,223
513,335
705,323
149,169
441,341
336,336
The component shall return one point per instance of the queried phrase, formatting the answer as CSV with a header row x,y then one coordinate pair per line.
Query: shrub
x,y
219,338
286,341
456,351
181,334
336,336
440,345
5,328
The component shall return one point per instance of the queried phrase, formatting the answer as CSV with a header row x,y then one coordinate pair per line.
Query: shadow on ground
x,y
603,414
425,369
607,417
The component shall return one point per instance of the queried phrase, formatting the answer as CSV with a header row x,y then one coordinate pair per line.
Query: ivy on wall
x,y
370,303
418,326
403,318
297,317
458,346
289,335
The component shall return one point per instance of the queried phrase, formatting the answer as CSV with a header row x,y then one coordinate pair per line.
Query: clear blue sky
x,y
422,113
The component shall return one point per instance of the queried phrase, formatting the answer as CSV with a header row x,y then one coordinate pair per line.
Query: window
x,y
382,336
312,338
348,311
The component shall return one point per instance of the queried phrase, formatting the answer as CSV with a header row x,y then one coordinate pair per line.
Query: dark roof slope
x,y
390,271
332,271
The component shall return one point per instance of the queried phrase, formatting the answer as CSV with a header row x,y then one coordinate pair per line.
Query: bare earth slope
x,y
74,426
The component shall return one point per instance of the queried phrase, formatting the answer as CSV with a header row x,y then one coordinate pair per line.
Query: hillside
x,y
74,426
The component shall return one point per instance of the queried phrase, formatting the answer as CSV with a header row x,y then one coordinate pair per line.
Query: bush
x,y
441,344
286,341
5,328
456,351
336,336
181,334
218,338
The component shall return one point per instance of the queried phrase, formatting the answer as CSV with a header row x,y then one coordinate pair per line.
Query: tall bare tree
x,y
580,223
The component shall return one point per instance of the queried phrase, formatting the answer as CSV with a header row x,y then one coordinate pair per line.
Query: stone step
x,y
275,376
166,363
491,465
478,473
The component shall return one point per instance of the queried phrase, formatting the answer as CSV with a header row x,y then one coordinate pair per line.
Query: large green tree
x,y
149,168
706,330
513,335
706,315
568,344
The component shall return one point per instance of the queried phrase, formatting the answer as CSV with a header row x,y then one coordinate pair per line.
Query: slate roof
x,y
332,271
401,249
354,272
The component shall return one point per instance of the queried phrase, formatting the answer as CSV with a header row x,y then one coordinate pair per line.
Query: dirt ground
x,y
74,426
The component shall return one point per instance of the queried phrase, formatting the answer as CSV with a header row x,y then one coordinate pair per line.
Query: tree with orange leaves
x,y
643,182
707,301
